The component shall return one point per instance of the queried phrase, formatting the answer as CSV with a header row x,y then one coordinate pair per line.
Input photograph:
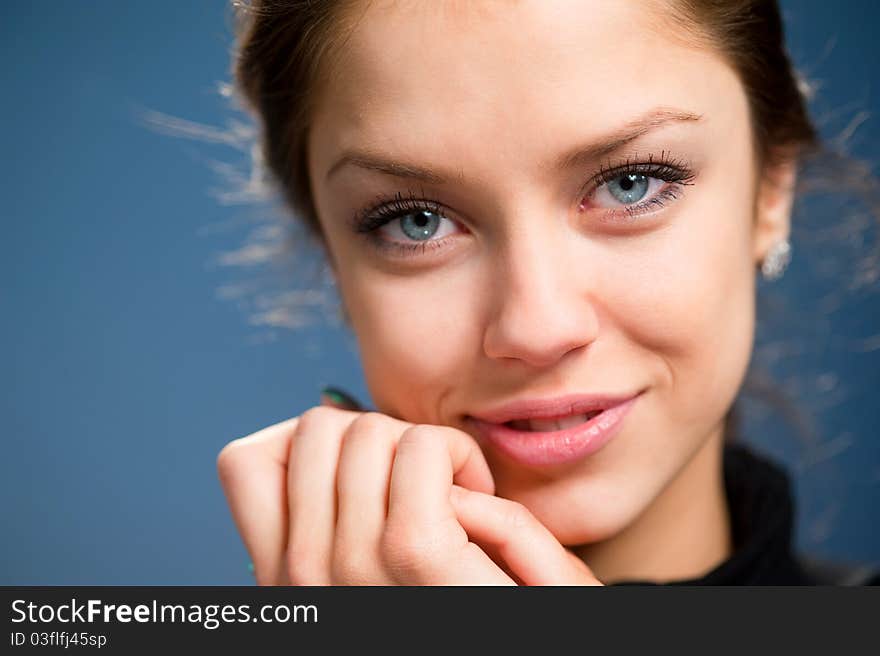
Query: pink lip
x,y
554,447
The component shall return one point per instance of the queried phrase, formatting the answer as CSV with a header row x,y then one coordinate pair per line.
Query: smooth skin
x,y
537,283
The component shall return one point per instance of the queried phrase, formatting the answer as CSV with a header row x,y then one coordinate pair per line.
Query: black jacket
x,y
762,518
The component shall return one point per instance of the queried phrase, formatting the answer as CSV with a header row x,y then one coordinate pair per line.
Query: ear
x,y
773,205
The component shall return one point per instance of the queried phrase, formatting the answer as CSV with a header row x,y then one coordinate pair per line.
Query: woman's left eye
x,y
417,226
626,190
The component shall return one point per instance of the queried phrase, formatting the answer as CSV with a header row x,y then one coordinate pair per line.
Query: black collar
x,y
762,516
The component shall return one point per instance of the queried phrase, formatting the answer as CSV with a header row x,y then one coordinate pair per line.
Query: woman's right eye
x,y
406,226
417,226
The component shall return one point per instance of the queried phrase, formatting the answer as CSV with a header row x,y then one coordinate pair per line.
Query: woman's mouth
x,y
544,425
553,431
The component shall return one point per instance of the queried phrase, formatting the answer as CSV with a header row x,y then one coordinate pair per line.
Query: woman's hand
x,y
338,497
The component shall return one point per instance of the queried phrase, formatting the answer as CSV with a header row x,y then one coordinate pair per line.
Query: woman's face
x,y
512,269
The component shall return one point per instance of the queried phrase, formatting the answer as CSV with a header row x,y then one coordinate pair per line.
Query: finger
x,y
362,482
311,493
429,459
253,475
527,547
424,543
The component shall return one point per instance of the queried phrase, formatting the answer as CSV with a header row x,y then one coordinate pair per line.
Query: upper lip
x,y
551,408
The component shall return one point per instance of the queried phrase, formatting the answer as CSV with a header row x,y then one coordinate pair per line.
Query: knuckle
x,y
407,550
516,515
417,435
231,456
315,416
240,452
368,424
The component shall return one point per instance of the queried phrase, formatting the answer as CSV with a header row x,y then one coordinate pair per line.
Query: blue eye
x,y
419,225
629,188
416,227
407,226
638,187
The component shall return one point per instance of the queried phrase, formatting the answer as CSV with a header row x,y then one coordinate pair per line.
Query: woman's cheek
x,y
693,309
412,334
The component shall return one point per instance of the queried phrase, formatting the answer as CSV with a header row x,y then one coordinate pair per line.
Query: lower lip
x,y
556,447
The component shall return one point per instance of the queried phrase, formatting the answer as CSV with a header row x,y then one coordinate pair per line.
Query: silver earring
x,y
776,260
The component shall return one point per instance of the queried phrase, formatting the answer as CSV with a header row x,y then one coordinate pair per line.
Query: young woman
x,y
545,219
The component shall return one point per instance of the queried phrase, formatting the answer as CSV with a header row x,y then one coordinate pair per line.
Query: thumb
x,y
527,547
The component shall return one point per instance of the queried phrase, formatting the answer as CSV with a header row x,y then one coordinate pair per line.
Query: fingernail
x,y
340,399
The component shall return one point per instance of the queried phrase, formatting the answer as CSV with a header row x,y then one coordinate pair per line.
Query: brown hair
x,y
283,48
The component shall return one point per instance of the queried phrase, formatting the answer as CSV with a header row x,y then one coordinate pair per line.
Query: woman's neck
x,y
683,534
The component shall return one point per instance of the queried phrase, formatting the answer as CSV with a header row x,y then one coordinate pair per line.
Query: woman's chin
x,y
578,516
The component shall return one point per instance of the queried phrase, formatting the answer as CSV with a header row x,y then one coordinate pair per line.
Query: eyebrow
x,y
578,156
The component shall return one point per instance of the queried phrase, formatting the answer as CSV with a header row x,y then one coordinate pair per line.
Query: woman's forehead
x,y
394,48
513,74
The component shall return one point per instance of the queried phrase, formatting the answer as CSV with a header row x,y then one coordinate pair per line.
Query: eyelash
x,y
384,209
675,173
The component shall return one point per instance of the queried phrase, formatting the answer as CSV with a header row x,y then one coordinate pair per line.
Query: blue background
x,y
132,350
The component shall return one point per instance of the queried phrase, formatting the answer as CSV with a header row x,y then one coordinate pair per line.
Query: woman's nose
x,y
542,308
